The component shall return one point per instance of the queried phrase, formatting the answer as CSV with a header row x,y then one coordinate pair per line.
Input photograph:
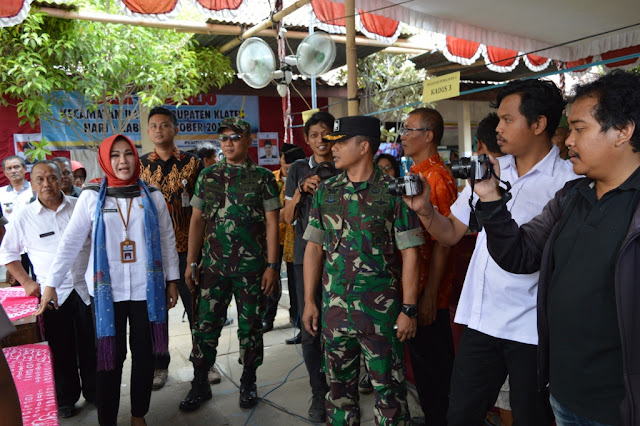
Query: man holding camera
x,y
302,181
431,350
498,307
355,227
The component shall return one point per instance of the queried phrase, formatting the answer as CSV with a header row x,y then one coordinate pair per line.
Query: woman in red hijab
x,y
132,271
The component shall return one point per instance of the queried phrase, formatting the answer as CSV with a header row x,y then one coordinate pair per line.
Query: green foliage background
x,y
106,63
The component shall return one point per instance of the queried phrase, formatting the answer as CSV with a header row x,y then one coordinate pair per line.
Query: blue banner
x,y
197,121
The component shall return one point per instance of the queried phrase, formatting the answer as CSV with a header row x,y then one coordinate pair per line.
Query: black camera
x,y
407,185
476,167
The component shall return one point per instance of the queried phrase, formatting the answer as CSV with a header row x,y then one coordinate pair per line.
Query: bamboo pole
x,y
352,57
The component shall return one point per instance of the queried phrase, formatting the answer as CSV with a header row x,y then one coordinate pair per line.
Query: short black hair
x,y
268,142
486,132
206,150
393,160
56,168
618,95
537,98
319,117
159,110
15,157
432,120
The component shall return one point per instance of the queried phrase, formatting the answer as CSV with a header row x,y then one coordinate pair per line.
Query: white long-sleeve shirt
x,y
128,280
39,230
494,301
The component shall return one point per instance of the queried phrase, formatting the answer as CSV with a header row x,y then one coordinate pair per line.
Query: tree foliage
x,y
46,60
385,81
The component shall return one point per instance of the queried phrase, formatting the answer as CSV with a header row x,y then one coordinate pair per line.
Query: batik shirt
x,y
233,199
360,229
174,177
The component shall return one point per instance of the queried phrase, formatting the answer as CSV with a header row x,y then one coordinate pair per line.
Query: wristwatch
x,y
410,310
274,265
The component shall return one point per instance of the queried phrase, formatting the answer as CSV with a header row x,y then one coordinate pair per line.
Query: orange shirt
x,y
286,231
443,194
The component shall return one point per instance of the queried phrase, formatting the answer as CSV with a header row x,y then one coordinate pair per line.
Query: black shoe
x,y
317,412
248,396
199,393
66,411
296,340
267,326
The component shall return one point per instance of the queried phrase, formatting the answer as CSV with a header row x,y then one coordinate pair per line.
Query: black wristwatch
x,y
410,310
274,266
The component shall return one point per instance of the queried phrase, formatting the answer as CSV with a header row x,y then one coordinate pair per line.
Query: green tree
x,y
386,81
49,60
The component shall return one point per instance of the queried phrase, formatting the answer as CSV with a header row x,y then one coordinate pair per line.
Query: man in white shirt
x,y
16,195
69,329
497,307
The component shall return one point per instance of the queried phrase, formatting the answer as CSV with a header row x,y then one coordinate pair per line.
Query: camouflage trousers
x,y
214,296
383,357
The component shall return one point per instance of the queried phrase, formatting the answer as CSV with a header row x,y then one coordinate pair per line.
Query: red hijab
x,y
104,159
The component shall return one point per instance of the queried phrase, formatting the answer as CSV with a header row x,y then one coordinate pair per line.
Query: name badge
x,y
127,251
109,210
185,199
47,234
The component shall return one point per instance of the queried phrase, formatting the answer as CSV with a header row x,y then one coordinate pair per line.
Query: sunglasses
x,y
232,138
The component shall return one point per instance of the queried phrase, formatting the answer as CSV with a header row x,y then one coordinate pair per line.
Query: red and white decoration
x,y
467,52
13,12
32,373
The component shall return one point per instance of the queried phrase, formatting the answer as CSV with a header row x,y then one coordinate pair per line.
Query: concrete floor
x,y
282,381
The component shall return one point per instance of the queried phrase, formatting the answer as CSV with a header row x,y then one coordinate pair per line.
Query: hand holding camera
x,y
420,202
483,173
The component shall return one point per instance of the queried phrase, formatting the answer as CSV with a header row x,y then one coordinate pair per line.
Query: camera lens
x,y
461,169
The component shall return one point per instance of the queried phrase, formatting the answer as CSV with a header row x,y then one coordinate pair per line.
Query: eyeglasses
x,y
232,138
386,168
405,130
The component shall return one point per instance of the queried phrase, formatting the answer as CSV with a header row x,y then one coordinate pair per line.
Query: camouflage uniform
x,y
360,230
233,200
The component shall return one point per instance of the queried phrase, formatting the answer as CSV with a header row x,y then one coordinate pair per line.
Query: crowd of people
x,y
547,305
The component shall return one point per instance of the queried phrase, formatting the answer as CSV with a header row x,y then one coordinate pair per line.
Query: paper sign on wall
x,y
443,87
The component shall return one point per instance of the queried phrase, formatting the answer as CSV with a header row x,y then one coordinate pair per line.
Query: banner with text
x,y
197,121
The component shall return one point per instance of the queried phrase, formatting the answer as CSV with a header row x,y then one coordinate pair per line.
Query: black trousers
x,y
71,337
161,362
432,353
108,386
479,370
311,346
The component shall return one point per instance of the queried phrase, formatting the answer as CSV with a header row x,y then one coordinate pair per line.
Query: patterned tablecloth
x,y
32,372
17,304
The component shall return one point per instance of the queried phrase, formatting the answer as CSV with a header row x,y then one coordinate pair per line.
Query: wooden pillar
x,y
352,57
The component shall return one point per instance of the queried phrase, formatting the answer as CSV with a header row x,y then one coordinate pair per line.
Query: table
x,y
32,373
21,310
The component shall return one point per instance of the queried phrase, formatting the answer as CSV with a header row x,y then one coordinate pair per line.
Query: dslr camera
x,y
476,167
407,185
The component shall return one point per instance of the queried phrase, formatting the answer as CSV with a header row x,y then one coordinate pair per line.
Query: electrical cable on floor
x,y
263,398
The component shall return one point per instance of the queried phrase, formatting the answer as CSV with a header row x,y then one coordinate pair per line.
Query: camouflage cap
x,y
236,124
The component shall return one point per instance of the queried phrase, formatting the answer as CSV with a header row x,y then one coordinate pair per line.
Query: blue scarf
x,y
103,297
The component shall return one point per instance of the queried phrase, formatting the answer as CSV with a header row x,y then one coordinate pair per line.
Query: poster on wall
x,y
197,121
22,142
268,153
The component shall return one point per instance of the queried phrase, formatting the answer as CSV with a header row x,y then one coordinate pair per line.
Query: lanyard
x,y
126,224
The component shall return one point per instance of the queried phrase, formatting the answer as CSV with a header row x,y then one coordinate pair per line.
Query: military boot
x,y
248,390
200,390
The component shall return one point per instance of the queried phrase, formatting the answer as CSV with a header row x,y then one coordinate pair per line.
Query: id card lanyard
x,y
127,247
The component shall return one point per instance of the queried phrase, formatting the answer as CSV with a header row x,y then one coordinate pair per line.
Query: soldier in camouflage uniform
x,y
235,210
355,226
